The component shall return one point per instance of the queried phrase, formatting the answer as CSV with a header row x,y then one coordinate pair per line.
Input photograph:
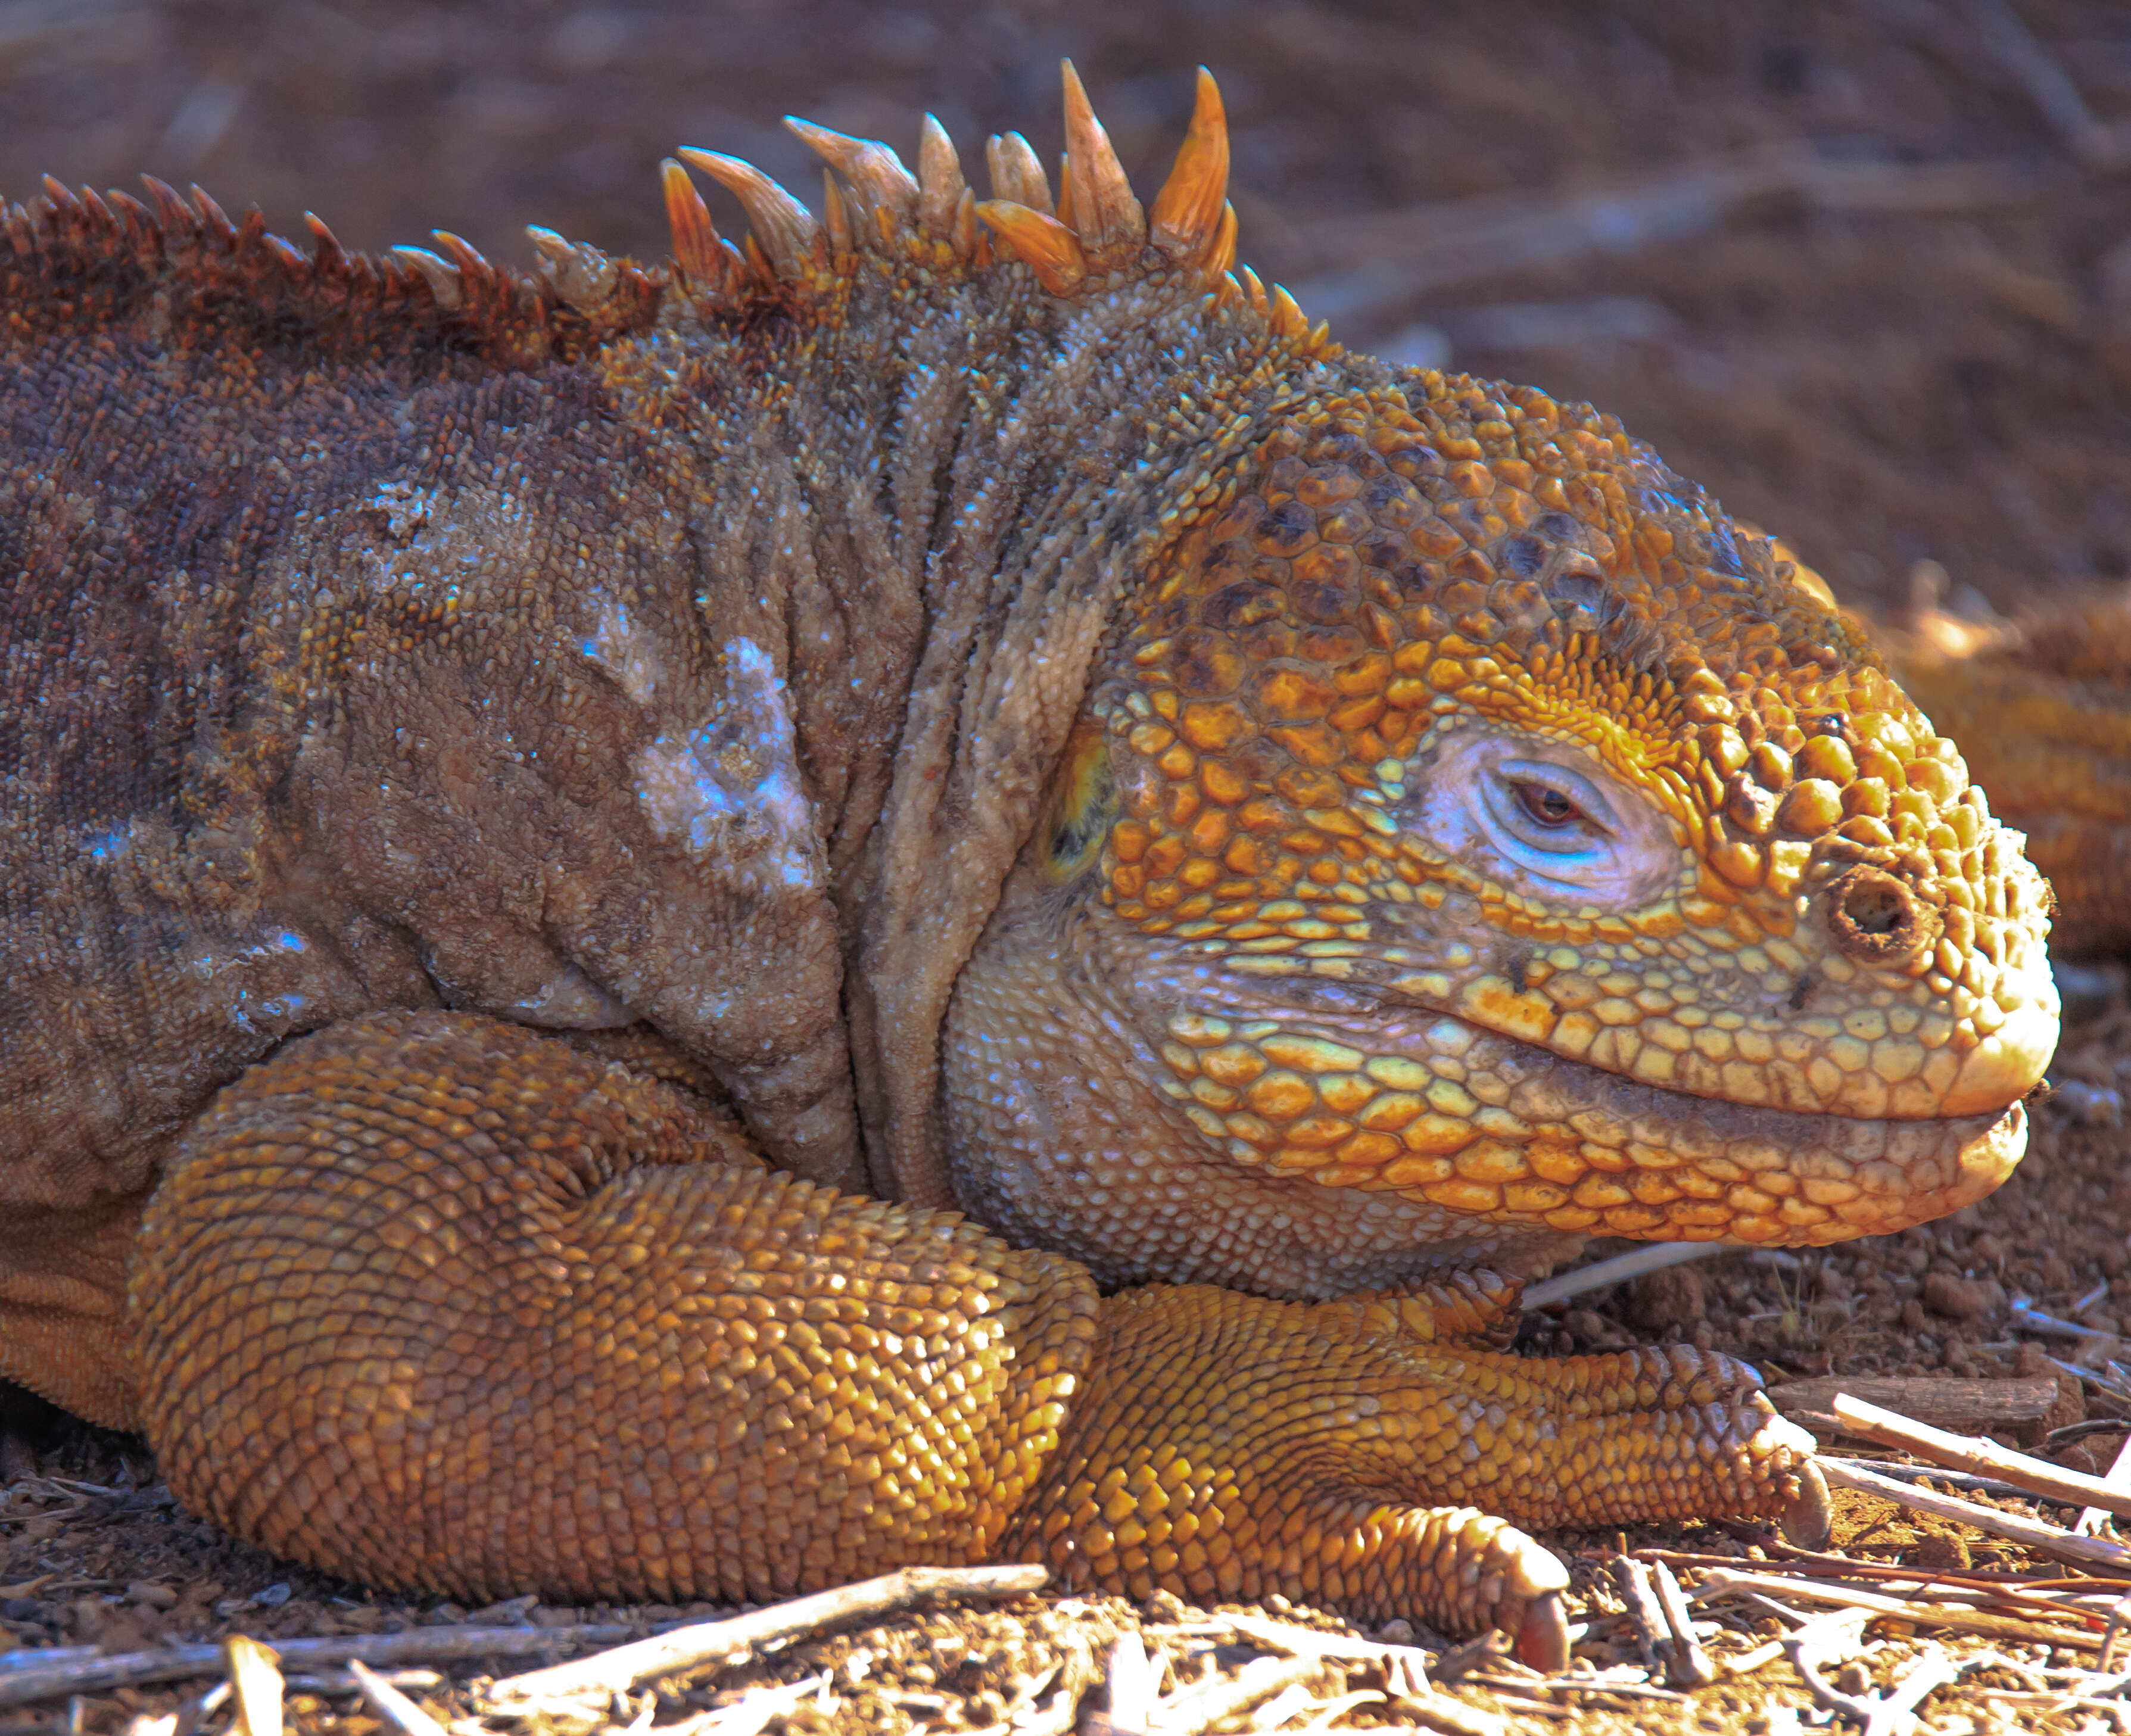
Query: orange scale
x,y
1460,1195
1318,1132
1313,745
1357,715
1417,1172
1471,479
1343,1175
1215,726
1370,1151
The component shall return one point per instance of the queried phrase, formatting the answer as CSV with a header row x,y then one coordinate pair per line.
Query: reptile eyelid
x,y
1590,803
1466,803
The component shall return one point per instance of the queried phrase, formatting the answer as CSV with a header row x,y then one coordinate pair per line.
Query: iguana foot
x,y
1232,1448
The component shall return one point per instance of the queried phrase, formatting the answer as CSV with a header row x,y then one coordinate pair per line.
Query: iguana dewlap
x,y
527,799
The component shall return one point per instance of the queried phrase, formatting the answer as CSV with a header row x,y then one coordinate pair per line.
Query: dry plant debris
x,y
122,1604
1102,1667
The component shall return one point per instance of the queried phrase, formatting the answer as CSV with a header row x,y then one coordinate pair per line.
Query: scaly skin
x,y
2046,706
548,1315
1047,733
1303,959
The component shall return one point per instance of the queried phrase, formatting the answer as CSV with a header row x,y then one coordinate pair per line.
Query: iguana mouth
x,y
1443,1112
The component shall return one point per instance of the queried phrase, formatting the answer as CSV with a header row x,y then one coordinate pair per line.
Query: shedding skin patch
x,y
731,788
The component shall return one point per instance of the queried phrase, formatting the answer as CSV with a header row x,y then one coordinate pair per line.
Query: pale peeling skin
x,y
526,799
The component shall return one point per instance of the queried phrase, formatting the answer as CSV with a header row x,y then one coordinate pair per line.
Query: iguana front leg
x,y
437,1303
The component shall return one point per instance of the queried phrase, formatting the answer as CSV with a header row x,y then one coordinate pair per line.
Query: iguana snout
x,y
1478,839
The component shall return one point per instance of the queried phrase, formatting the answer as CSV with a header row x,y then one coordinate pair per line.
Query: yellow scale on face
x,y
1390,572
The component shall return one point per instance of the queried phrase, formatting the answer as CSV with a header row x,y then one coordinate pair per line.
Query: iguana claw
x,y
1543,1635
1807,1521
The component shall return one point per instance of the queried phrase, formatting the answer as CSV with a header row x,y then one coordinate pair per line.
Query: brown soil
x,y
1892,366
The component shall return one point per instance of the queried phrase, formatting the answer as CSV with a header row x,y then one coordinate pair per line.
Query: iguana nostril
x,y
1875,917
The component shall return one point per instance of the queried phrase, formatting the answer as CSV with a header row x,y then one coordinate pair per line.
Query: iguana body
x,y
2046,699
1049,734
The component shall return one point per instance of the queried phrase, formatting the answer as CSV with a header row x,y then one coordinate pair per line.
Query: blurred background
x,y
1864,269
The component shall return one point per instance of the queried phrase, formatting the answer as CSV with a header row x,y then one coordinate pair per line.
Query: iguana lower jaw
x,y
1120,1099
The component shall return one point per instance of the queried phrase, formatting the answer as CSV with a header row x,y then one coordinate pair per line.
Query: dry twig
x,y
255,1673
1880,1714
1969,1405
2091,1519
2096,143
1200,1709
1974,1453
1952,1618
1602,1273
726,1642
1661,1624
2111,1633
1410,1697
1135,1681
84,1670
391,1705
2096,1554
751,1713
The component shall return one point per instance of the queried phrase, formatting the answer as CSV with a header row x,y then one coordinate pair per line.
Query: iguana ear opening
x,y
1084,801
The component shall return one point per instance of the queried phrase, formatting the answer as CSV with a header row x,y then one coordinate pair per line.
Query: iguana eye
x,y
1549,807
1548,813
1543,817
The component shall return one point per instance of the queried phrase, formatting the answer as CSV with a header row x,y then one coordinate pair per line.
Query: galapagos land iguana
x,y
557,831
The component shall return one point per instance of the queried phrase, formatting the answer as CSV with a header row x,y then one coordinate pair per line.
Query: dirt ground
x,y
1863,268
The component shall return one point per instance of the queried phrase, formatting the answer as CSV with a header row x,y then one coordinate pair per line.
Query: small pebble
x,y
2088,1106
274,1596
1675,1296
1954,1298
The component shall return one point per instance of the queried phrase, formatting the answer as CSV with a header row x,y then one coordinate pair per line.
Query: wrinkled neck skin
x,y
1058,1135
838,580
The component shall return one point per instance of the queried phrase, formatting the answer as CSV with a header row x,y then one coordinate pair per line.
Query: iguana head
x,y
1473,837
